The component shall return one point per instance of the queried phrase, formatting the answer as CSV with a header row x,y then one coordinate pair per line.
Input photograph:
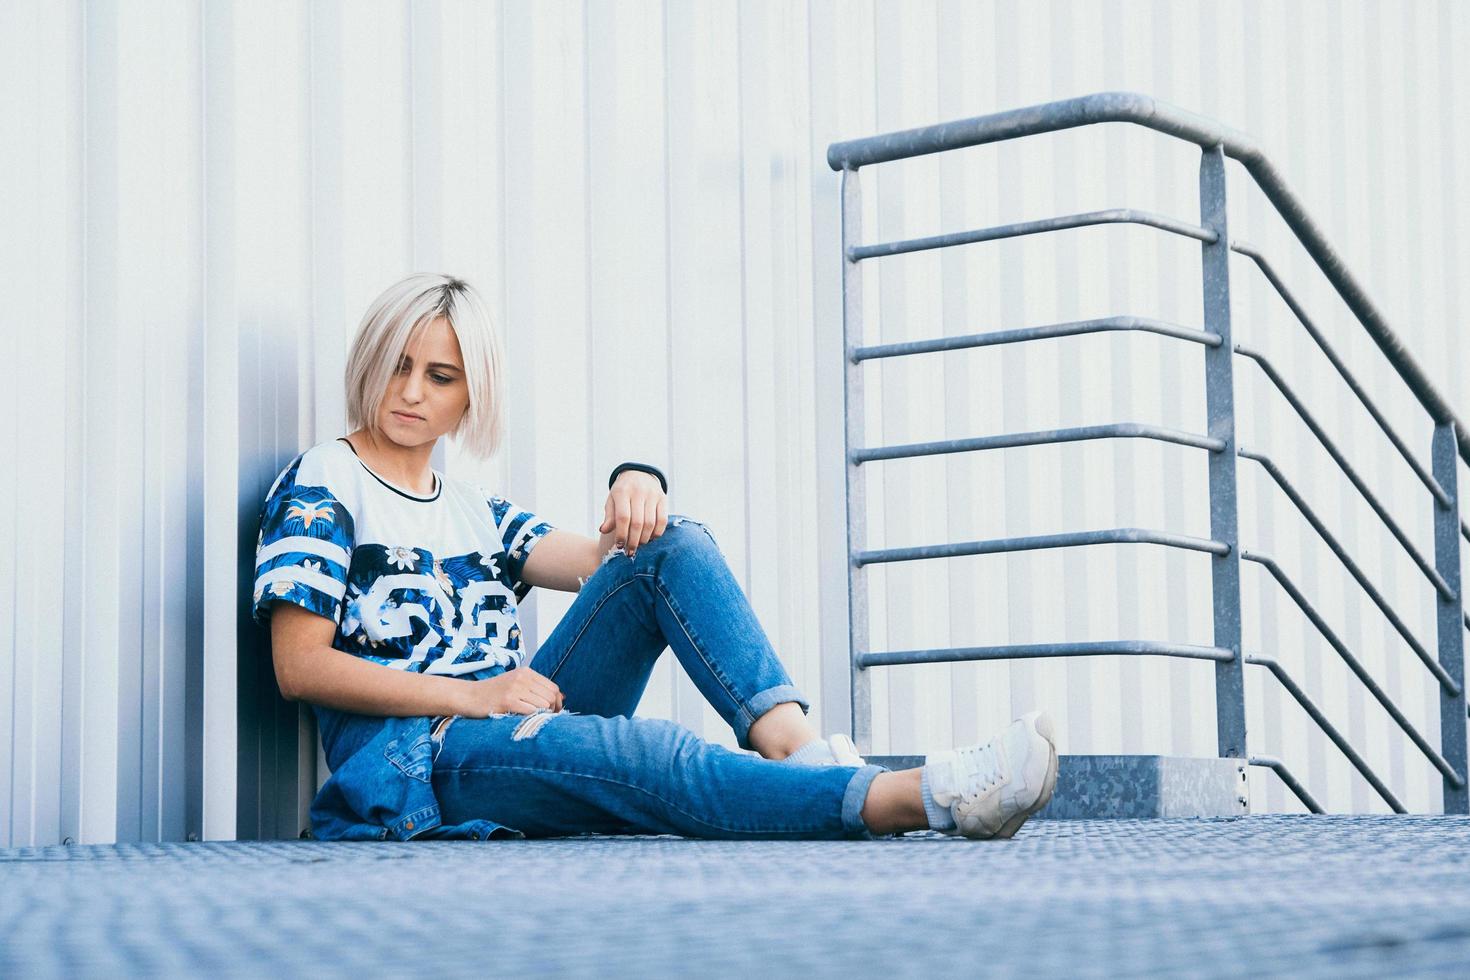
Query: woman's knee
x,y
685,533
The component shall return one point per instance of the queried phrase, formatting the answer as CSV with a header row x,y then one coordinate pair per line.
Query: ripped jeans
x,y
595,768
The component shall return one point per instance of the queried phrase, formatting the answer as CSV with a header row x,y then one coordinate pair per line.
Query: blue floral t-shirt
x,y
427,583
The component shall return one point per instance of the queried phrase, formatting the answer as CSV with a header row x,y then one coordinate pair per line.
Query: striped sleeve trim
x,y
322,583
299,544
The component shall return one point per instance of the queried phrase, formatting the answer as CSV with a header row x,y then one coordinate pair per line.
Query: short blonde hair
x,y
393,319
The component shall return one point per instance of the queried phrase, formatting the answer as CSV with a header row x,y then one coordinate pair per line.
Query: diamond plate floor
x,y
1345,896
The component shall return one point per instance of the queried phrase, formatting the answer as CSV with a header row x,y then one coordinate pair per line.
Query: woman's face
x,y
428,394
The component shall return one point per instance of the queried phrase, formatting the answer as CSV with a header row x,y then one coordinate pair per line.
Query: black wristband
x,y
641,467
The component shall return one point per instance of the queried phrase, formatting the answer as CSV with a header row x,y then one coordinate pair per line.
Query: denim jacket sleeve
x,y
385,791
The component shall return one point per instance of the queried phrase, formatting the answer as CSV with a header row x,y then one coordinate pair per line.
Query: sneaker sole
x,y
1045,730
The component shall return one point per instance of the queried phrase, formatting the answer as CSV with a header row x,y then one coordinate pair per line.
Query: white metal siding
x,y
199,200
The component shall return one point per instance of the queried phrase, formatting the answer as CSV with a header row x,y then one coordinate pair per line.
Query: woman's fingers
x,y
634,536
650,519
621,512
543,687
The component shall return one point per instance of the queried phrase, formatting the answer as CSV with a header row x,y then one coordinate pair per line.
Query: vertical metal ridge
x,y
1220,407
853,435
1449,617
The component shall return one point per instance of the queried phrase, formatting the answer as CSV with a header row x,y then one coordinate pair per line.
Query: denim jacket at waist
x,y
384,790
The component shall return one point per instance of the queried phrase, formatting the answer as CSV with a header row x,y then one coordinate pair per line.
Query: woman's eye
x,y
442,379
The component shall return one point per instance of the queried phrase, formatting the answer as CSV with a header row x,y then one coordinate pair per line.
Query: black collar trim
x,y
438,484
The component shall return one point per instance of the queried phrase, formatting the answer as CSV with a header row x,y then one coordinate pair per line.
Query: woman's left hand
x,y
636,510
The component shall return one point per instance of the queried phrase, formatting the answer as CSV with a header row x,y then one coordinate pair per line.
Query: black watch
x,y
642,467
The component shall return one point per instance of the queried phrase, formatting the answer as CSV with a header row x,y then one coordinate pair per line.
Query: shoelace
x,y
984,761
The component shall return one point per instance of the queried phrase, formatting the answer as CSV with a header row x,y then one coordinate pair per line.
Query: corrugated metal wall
x,y
198,201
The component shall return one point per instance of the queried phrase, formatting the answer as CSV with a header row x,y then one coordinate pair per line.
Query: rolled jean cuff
x,y
751,710
855,797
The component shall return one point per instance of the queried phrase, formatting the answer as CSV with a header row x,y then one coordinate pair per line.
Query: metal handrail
x,y
1359,484
1451,438
1049,331
1143,110
1023,228
1328,729
1430,483
1355,665
1353,569
1042,651
1043,542
1047,437
1273,763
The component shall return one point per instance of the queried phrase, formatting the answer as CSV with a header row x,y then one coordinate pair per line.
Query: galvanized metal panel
x,y
219,460
234,182
627,310
544,148
714,405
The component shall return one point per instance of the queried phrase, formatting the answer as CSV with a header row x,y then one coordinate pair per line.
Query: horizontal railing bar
x,y
1357,573
1120,430
1142,110
1074,539
1038,227
1034,120
1328,729
1357,481
1356,666
1279,767
1034,651
1425,477
1047,332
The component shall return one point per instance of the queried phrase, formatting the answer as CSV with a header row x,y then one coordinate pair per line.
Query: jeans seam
x,y
633,786
719,675
585,624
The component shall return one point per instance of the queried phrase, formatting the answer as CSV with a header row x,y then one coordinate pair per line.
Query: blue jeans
x,y
593,767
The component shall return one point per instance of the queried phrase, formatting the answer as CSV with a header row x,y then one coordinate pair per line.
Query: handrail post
x,y
1451,622
854,436
1220,406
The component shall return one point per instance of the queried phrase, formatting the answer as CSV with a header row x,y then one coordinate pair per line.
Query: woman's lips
x,y
408,418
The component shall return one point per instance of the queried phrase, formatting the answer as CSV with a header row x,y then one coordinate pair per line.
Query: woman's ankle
x,y
781,731
895,803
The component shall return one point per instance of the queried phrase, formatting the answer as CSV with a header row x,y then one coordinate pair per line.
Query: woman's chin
x,y
404,436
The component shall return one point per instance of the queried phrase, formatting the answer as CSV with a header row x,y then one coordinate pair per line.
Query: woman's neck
x,y
407,466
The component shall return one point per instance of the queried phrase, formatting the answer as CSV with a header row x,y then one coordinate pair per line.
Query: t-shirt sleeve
x,y
304,549
519,531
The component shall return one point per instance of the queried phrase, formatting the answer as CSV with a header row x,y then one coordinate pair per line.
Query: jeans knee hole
x,y
533,724
675,520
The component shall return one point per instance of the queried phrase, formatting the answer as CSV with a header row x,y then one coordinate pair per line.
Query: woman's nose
x,y
412,387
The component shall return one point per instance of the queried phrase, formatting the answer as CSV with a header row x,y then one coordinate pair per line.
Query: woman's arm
x,y
309,668
636,511
563,561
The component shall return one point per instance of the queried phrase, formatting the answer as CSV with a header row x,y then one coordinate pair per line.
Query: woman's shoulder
x,y
332,452
462,488
326,465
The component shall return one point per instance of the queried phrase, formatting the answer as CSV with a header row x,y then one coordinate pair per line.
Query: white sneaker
x,y
844,751
991,789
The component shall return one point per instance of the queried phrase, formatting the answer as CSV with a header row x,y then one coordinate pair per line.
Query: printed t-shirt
x,y
427,583
422,583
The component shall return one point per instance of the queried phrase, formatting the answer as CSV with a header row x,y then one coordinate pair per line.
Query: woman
x,y
390,591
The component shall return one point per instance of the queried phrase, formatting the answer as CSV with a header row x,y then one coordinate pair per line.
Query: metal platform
x,y
1112,787
1362,896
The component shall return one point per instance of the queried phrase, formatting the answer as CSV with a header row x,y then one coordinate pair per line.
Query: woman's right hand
x,y
518,692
